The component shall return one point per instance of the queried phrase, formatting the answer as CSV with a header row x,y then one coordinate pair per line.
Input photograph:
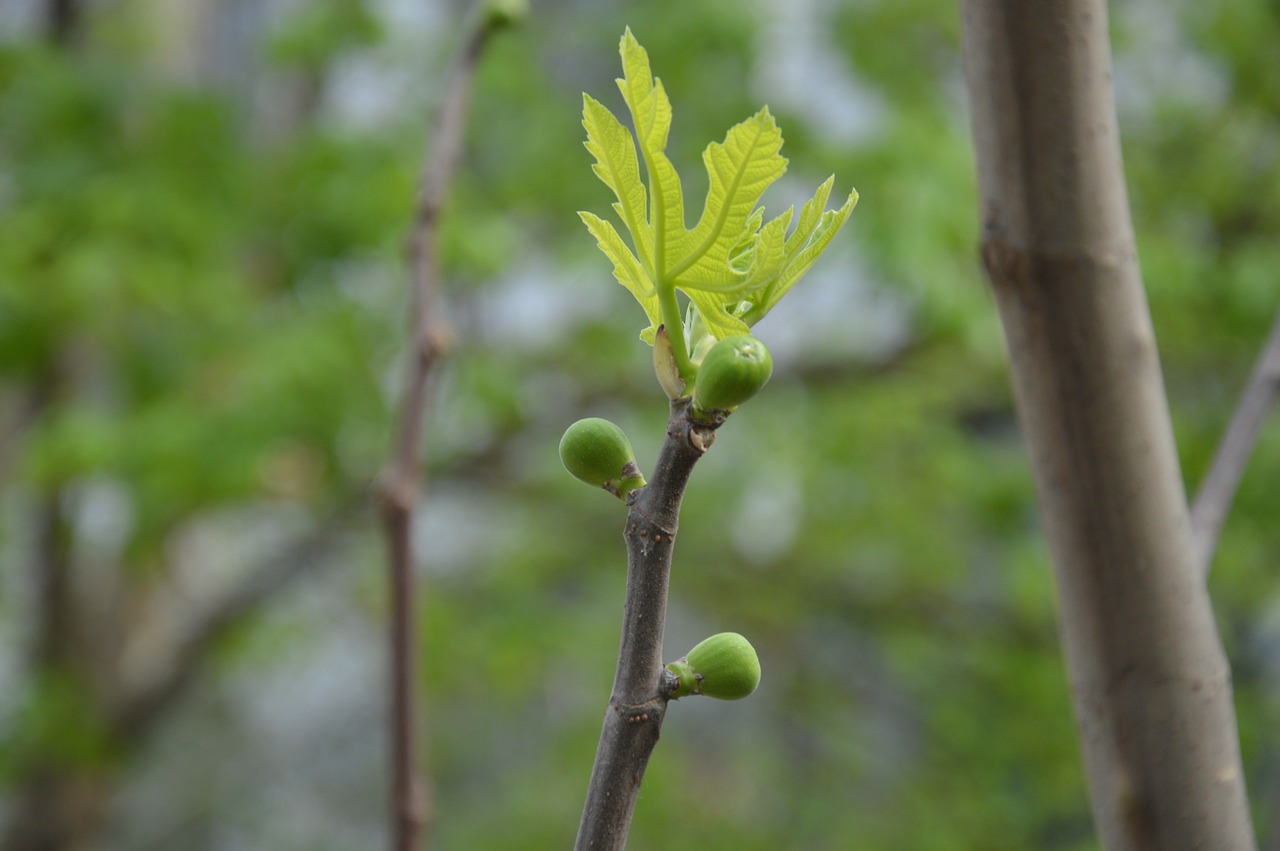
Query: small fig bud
x,y
733,371
597,452
724,666
664,364
503,13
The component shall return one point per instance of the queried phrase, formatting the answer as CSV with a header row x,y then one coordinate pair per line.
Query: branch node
x,y
439,341
648,710
397,493
701,437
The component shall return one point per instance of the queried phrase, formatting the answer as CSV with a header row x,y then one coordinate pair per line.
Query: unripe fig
x,y
724,666
597,452
733,371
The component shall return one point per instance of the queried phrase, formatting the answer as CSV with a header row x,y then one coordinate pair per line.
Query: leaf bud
x,y
724,666
733,371
597,452
664,364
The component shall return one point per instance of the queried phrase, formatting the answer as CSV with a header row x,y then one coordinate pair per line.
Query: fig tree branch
x,y
1218,490
641,686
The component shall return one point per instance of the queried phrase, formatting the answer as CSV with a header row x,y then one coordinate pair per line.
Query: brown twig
x,y
402,483
1218,490
641,686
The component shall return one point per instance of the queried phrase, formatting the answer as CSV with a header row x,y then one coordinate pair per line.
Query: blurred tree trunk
x,y
82,721
1151,685
62,20
59,808
60,799
58,802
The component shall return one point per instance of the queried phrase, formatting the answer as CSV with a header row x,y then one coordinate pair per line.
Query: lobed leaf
x,y
651,112
627,269
732,266
718,314
812,235
740,169
618,168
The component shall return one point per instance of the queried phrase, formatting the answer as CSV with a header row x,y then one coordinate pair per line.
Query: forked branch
x,y
1218,490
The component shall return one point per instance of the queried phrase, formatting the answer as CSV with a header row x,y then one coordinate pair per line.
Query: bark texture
x,y
1150,682
641,686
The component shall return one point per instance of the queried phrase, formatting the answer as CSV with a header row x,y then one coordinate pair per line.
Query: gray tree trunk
x,y
1151,685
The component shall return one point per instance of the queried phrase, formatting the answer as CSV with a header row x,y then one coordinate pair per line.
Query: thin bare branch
x,y
402,481
1218,490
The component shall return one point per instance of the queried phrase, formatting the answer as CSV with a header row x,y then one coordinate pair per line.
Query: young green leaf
x,y
617,167
813,233
740,168
651,114
732,266
626,269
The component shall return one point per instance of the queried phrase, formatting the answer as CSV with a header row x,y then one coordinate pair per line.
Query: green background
x,y
202,321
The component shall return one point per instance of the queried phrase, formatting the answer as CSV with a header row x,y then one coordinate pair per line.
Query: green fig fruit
x,y
597,452
724,666
732,372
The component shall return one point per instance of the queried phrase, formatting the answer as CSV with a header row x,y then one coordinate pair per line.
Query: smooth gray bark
x,y
1150,682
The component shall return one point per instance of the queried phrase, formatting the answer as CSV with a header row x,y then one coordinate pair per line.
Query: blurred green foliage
x,y
210,316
